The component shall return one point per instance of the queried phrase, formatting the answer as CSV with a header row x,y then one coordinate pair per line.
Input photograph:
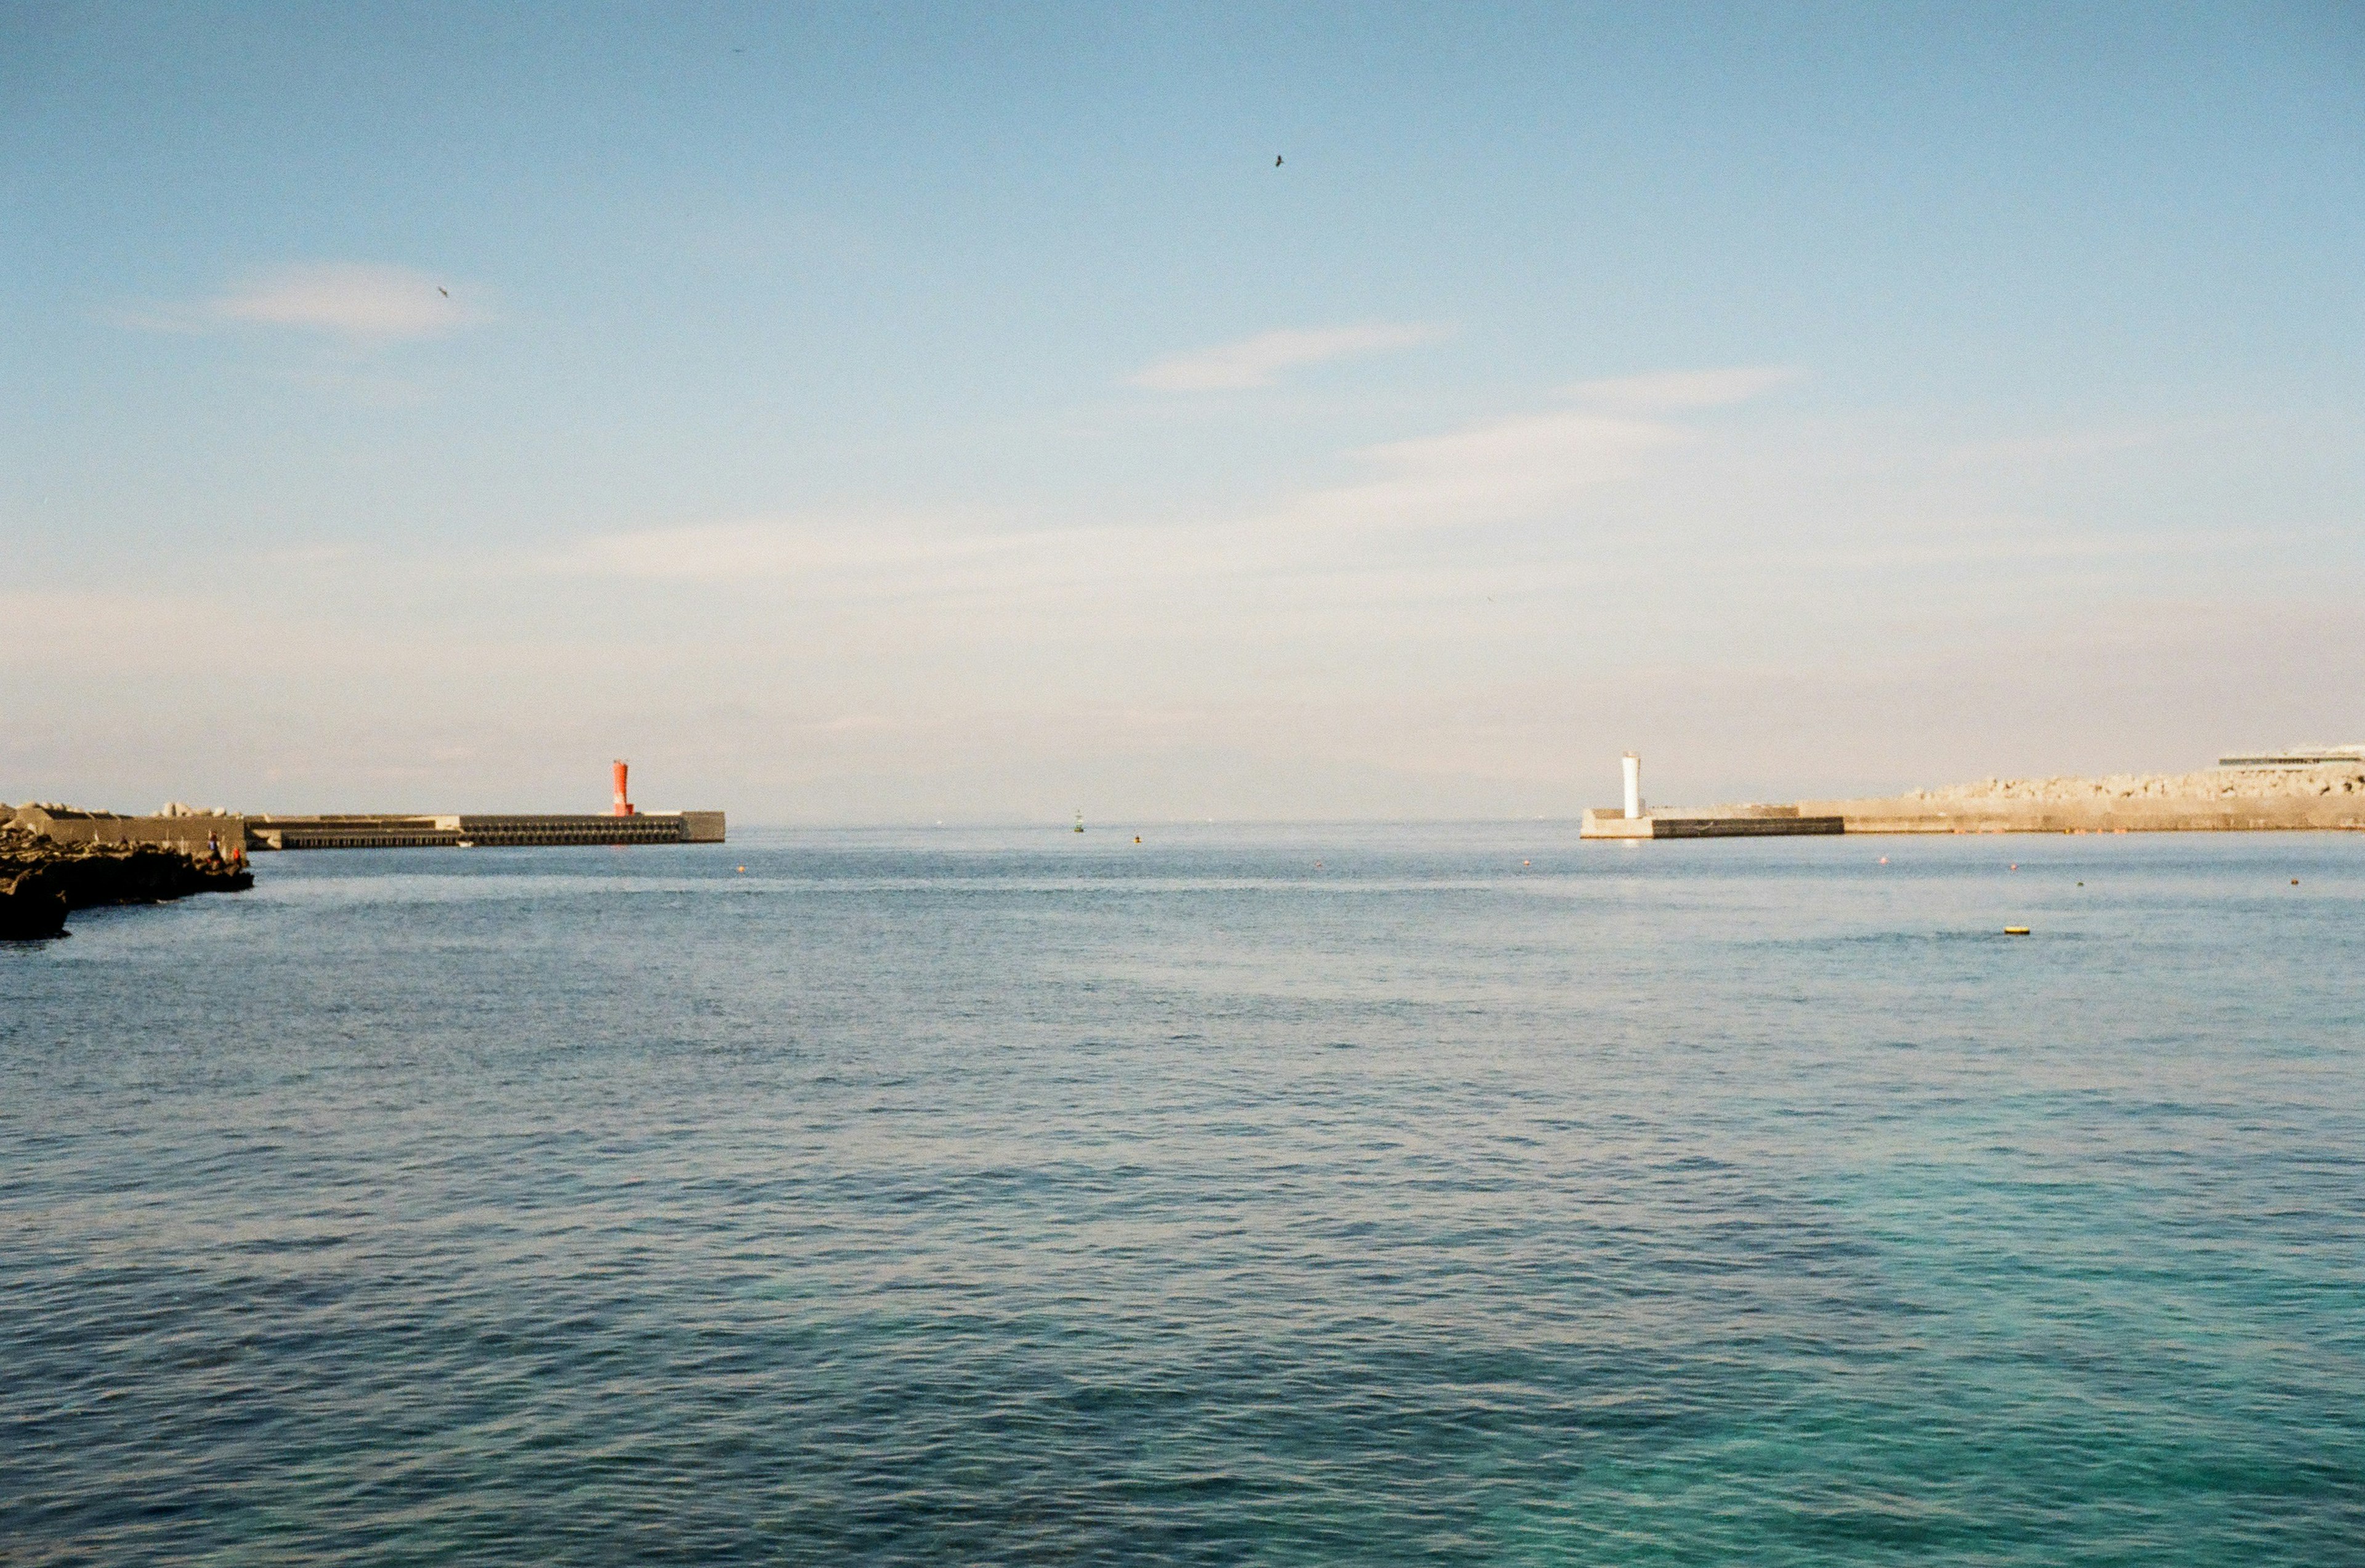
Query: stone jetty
x,y
2218,800
2312,790
44,879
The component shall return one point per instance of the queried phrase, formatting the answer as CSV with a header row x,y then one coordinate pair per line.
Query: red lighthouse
x,y
623,806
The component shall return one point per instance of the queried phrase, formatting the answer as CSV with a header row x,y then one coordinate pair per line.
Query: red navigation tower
x,y
623,806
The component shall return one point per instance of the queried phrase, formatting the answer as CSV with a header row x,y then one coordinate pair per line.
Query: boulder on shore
x,y
41,880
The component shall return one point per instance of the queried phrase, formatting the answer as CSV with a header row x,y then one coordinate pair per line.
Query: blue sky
x,y
896,413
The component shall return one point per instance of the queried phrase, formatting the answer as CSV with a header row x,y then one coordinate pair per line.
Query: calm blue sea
x,y
1281,1197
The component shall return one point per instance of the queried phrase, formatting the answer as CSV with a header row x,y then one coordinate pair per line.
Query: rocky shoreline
x,y
42,881
2331,795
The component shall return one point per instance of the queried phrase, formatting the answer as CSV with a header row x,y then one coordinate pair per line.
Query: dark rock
x,y
28,914
42,880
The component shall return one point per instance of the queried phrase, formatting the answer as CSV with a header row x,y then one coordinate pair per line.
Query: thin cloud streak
x,y
1258,360
764,548
1507,470
1670,391
364,303
1496,472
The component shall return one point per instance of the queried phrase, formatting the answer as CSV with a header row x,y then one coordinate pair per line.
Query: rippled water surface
x,y
1354,1194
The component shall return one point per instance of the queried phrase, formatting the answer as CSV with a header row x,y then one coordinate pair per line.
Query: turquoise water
x,y
1476,1197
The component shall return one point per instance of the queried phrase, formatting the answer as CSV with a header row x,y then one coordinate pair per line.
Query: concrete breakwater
x,y
42,881
549,831
219,833
1709,822
2220,800
201,830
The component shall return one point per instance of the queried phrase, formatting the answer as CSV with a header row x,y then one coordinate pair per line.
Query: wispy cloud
x,y
1258,360
760,548
1505,470
365,302
1526,465
1492,472
1669,391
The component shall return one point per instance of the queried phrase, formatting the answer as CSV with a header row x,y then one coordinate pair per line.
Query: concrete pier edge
x,y
192,833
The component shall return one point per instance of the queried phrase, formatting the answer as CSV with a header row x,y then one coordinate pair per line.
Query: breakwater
x,y
2222,800
1710,822
512,830
42,881
219,832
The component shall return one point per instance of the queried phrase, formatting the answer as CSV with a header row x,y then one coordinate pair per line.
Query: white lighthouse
x,y
1633,787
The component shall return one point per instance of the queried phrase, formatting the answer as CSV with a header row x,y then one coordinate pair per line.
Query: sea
x,y
1197,1194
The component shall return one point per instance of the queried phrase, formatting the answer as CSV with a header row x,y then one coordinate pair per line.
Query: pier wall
x,y
2233,816
363,830
187,833
1709,822
488,831
2285,798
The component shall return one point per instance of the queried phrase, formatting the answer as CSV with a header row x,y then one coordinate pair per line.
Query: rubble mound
x,y
2204,789
41,881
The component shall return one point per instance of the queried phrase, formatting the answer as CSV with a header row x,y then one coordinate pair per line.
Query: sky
x,y
911,413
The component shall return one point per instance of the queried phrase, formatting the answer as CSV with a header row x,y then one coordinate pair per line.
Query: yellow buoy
x,y
2015,930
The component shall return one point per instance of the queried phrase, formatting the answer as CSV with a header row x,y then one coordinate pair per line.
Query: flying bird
x,y
443,291
1276,160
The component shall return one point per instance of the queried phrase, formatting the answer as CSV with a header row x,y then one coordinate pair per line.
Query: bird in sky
x,y
1276,160
443,291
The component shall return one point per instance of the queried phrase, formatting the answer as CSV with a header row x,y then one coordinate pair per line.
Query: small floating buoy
x,y
1530,863
2015,930
1884,860
2015,865
743,870
1137,838
2295,881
